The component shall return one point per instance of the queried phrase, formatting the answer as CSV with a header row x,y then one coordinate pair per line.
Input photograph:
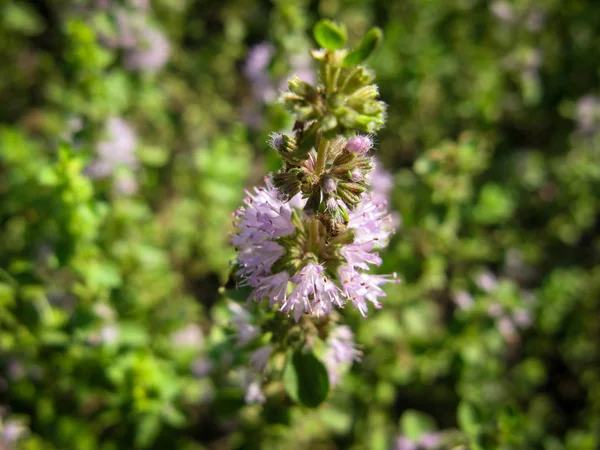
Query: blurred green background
x,y
128,131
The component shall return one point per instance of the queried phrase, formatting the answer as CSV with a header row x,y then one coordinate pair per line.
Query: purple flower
x,y
124,185
150,52
495,310
535,20
362,288
253,388
503,11
507,328
463,300
382,183
329,185
359,144
341,352
301,66
257,63
404,443
109,333
427,441
486,281
276,262
11,432
202,367
588,113
260,357
117,149
246,331
314,294
522,318
275,141
16,370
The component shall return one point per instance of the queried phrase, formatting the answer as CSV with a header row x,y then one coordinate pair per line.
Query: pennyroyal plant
x,y
308,238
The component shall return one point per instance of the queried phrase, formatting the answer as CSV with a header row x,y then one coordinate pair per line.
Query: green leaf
x,y
153,156
240,294
147,431
329,35
305,379
413,424
467,418
368,45
21,18
495,205
228,402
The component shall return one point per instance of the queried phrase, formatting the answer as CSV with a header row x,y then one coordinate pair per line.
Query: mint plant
x,y
308,238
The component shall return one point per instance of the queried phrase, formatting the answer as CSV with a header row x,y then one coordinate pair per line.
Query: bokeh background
x,y
129,130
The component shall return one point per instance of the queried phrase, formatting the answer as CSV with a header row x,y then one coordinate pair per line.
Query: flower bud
x,y
359,144
275,141
356,175
329,185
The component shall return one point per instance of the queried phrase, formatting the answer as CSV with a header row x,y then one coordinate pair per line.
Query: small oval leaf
x,y
329,35
305,379
368,45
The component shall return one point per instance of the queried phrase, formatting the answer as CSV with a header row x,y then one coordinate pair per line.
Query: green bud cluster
x,y
345,100
321,159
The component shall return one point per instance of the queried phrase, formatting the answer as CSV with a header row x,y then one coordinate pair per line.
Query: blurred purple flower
x,y
242,319
522,318
11,432
427,441
495,310
125,185
150,53
360,143
536,20
341,352
404,443
116,149
260,357
486,281
16,370
253,388
503,11
109,333
463,300
507,328
587,114
255,70
202,367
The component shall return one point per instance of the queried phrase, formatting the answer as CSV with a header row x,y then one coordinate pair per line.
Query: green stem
x,y
328,79
321,155
313,236
336,76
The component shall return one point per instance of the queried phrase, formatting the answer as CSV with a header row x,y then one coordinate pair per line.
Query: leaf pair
x,y
332,36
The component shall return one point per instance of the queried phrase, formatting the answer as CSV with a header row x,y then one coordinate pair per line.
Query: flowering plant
x,y
309,236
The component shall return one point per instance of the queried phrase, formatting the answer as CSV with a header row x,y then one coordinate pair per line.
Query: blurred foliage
x,y
113,334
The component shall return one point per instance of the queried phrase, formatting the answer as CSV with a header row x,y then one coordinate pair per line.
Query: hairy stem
x,y
321,155
336,75
313,235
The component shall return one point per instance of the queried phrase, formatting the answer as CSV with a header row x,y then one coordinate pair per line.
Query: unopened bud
x,y
329,185
359,144
275,141
356,175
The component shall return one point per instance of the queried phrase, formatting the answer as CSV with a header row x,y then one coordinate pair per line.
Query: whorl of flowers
x,y
308,238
